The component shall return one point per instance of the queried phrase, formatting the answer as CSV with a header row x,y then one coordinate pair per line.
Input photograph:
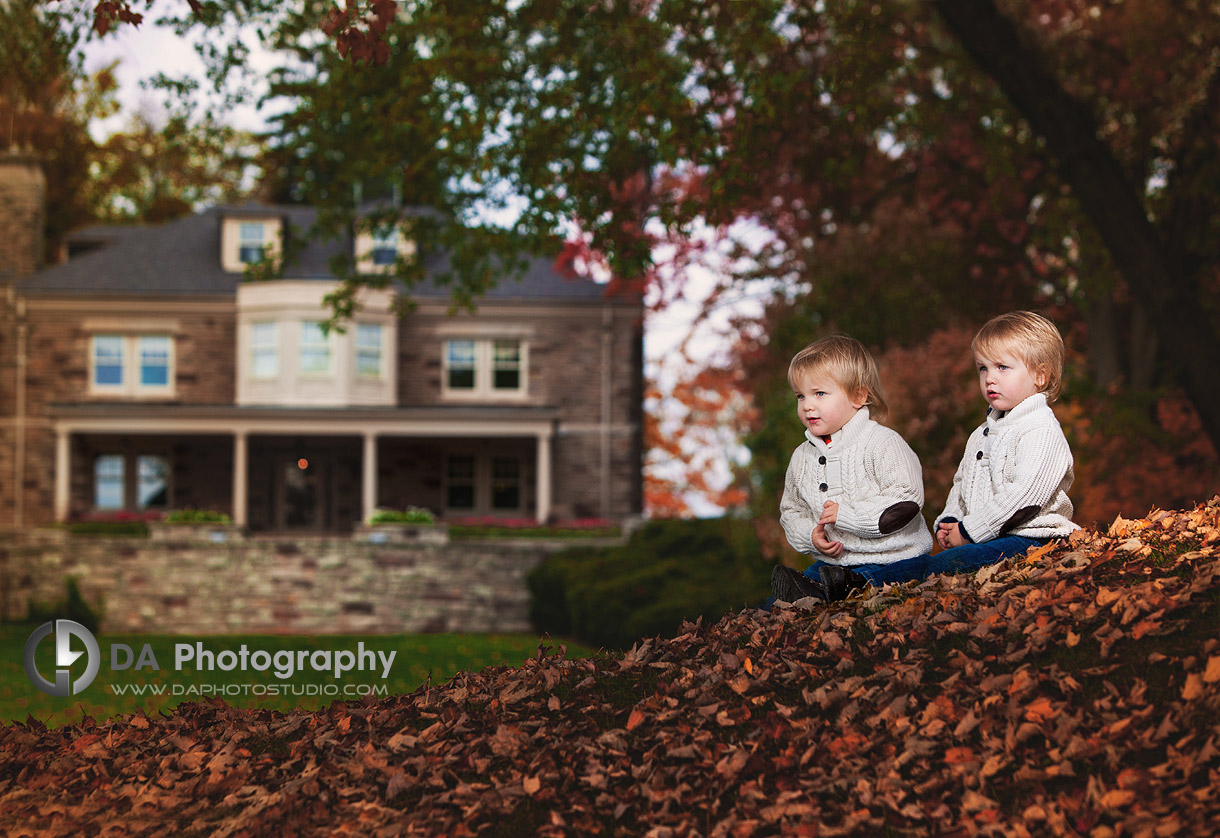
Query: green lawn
x,y
154,689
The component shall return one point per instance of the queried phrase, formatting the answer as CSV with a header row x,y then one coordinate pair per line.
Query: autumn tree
x,y
162,166
920,166
41,107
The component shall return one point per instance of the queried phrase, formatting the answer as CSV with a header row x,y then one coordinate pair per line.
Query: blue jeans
x,y
968,557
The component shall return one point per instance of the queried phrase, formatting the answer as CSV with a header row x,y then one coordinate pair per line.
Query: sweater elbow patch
x,y
897,516
1025,513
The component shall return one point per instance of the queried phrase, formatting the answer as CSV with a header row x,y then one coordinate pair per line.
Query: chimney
x,y
23,214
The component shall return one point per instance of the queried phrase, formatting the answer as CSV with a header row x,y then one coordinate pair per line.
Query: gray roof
x,y
182,258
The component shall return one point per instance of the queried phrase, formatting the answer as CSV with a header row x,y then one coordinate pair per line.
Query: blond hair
x,y
1030,337
846,361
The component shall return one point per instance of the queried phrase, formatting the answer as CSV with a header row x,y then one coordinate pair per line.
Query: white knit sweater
x,y
875,477
1015,475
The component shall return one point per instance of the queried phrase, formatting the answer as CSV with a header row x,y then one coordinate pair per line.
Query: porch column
x,y
543,468
63,474
369,486
241,467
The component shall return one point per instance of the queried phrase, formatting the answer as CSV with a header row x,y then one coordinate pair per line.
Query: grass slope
x,y
1073,692
419,658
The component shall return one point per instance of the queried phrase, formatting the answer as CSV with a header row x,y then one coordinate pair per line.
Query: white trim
x,y
124,325
368,478
474,330
337,425
241,479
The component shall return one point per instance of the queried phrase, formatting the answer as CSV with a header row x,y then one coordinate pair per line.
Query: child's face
x,y
823,406
1006,381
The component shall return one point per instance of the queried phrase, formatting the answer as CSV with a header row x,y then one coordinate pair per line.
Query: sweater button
x,y
823,487
978,456
986,431
821,461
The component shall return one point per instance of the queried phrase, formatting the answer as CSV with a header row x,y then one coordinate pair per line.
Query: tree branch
x,y
1111,202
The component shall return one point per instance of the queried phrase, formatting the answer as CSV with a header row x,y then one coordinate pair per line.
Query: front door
x,y
302,495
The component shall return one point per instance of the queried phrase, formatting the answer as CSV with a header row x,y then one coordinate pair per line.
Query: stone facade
x,y
280,586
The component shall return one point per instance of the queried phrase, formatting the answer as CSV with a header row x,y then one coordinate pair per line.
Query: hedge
x,y
669,571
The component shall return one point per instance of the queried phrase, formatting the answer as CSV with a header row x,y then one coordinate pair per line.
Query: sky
x,y
145,50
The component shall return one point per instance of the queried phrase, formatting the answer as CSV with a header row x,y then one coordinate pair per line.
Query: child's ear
x,y
860,399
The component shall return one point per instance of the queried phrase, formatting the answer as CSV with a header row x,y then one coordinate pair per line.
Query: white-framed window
x,y
482,367
109,481
131,365
108,361
154,358
460,363
265,349
316,352
369,353
251,242
138,482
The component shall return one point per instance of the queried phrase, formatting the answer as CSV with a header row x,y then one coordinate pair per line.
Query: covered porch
x,y
303,469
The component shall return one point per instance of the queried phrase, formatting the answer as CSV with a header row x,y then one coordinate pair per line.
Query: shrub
x,y
410,515
669,571
72,607
197,516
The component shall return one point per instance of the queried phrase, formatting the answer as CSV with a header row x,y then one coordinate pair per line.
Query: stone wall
x,y
303,586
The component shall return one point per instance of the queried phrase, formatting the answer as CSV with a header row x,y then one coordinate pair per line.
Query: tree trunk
x,y
1105,356
1113,205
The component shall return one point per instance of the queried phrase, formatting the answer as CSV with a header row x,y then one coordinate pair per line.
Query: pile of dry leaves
x,y
1074,692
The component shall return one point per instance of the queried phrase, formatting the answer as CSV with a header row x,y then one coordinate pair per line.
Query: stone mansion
x,y
145,373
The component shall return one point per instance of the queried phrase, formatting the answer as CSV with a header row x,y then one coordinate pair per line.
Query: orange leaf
x,y
635,719
1117,798
531,785
1193,687
1040,710
959,756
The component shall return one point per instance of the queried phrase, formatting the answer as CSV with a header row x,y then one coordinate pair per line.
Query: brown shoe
x,y
790,585
840,582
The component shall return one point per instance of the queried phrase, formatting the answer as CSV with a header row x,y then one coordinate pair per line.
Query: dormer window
x,y
252,247
378,249
247,240
385,248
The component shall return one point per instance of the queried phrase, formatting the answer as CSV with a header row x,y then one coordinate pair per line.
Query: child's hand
x,y
830,513
949,535
824,545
